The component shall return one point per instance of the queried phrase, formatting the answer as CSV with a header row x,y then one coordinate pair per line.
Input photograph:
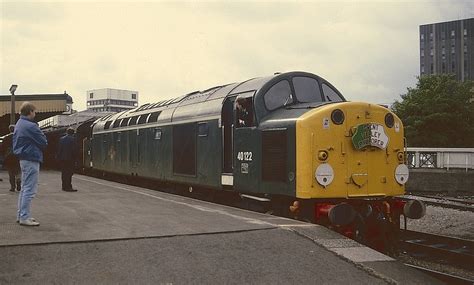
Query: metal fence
x,y
441,158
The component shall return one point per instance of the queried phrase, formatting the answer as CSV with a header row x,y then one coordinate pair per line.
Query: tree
x,y
438,112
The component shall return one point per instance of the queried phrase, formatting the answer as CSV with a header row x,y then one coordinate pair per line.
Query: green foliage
x,y
438,112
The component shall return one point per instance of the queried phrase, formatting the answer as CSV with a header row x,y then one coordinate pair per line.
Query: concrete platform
x,y
113,233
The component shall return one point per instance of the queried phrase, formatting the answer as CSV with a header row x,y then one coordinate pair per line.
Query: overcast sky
x,y
368,50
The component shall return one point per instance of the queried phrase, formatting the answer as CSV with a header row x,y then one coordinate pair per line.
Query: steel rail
x,y
455,251
445,277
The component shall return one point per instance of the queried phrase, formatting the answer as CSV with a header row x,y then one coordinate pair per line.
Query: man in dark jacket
x,y
67,159
28,145
12,164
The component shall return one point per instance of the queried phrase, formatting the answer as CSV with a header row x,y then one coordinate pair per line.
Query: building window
x,y
443,56
452,50
443,35
453,66
431,52
465,48
465,32
134,96
422,69
431,36
422,37
91,95
453,42
443,50
443,67
453,33
422,52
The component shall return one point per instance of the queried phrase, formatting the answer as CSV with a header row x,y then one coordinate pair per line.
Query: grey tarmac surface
x,y
110,233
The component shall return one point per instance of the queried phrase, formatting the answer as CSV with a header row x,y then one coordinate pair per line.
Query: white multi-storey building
x,y
111,100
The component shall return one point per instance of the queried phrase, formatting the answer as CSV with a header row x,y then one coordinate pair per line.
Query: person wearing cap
x,y
28,145
12,164
67,158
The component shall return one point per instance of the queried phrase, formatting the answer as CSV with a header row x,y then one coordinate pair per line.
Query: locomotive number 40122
x,y
244,155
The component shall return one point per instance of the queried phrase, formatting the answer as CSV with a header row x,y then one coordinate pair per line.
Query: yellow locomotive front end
x,y
350,166
350,150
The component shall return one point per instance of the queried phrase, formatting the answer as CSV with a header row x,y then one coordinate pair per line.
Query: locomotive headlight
x,y
323,155
389,120
401,174
324,174
337,117
401,157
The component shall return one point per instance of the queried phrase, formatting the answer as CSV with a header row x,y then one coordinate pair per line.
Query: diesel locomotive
x,y
290,140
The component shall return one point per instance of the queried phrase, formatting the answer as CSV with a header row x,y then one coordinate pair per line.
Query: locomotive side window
x,y
278,95
244,112
158,134
307,89
203,129
331,95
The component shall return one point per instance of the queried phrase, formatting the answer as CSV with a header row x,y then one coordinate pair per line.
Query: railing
x,y
441,158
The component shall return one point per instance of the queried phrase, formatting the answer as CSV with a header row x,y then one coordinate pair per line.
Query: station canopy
x,y
47,105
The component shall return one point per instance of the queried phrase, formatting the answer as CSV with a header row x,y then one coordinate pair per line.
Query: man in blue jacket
x,y
67,159
28,145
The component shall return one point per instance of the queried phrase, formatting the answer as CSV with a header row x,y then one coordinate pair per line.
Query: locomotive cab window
x,y
330,94
244,112
278,96
307,89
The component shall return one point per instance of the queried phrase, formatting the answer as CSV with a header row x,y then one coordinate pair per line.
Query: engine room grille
x,y
274,155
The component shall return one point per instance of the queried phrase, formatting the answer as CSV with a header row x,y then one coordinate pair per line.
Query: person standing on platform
x,y
28,145
12,164
67,159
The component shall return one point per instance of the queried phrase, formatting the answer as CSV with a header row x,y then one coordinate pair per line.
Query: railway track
x,y
442,249
445,277
452,203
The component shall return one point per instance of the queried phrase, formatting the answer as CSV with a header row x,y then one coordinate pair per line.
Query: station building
x,y
111,100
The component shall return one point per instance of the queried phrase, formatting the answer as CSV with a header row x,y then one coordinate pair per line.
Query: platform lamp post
x,y
12,113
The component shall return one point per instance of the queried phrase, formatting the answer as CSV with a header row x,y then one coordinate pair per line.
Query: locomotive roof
x,y
198,105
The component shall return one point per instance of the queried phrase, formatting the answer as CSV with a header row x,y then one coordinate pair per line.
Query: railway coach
x,y
289,139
